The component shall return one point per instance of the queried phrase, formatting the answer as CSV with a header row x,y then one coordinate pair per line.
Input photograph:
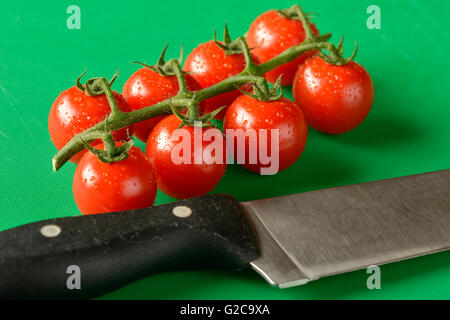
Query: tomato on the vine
x,y
100,187
209,64
251,116
270,34
185,177
146,87
335,99
73,112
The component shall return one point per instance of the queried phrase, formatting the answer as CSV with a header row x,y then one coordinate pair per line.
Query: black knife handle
x,y
114,249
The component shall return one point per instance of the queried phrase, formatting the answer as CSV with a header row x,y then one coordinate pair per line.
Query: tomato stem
x,y
176,67
250,66
290,54
115,111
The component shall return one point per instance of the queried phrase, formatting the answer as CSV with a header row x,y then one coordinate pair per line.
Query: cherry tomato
x,y
209,65
249,114
74,112
271,34
335,99
184,178
100,187
146,87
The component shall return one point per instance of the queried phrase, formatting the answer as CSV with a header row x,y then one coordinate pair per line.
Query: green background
x,y
407,131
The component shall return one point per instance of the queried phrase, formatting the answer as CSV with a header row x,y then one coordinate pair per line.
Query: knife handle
x,y
106,251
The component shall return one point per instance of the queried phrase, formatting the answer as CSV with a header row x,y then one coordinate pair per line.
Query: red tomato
x,y
186,179
146,87
74,112
335,99
100,187
209,65
247,113
271,34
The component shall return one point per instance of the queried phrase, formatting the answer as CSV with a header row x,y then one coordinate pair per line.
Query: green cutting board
x,y
407,131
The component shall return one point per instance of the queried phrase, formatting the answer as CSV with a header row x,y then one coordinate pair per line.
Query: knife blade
x,y
289,240
316,234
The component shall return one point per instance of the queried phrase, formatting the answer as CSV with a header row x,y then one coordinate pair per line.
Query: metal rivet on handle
x,y
50,231
182,211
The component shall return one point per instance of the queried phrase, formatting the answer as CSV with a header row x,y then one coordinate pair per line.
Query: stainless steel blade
x,y
307,236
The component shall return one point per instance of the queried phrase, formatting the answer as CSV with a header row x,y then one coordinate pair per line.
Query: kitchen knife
x,y
289,240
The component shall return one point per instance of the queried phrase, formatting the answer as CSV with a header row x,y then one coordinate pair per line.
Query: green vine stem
x,y
251,74
183,90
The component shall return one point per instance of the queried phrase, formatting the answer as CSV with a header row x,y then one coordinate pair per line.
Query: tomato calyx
x,y
294,12
95,86
336,56
229,46
171,68
162,67
99,86
112,152
263,92
193,118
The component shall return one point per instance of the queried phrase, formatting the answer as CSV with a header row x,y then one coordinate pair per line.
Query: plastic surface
x,y
406,132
